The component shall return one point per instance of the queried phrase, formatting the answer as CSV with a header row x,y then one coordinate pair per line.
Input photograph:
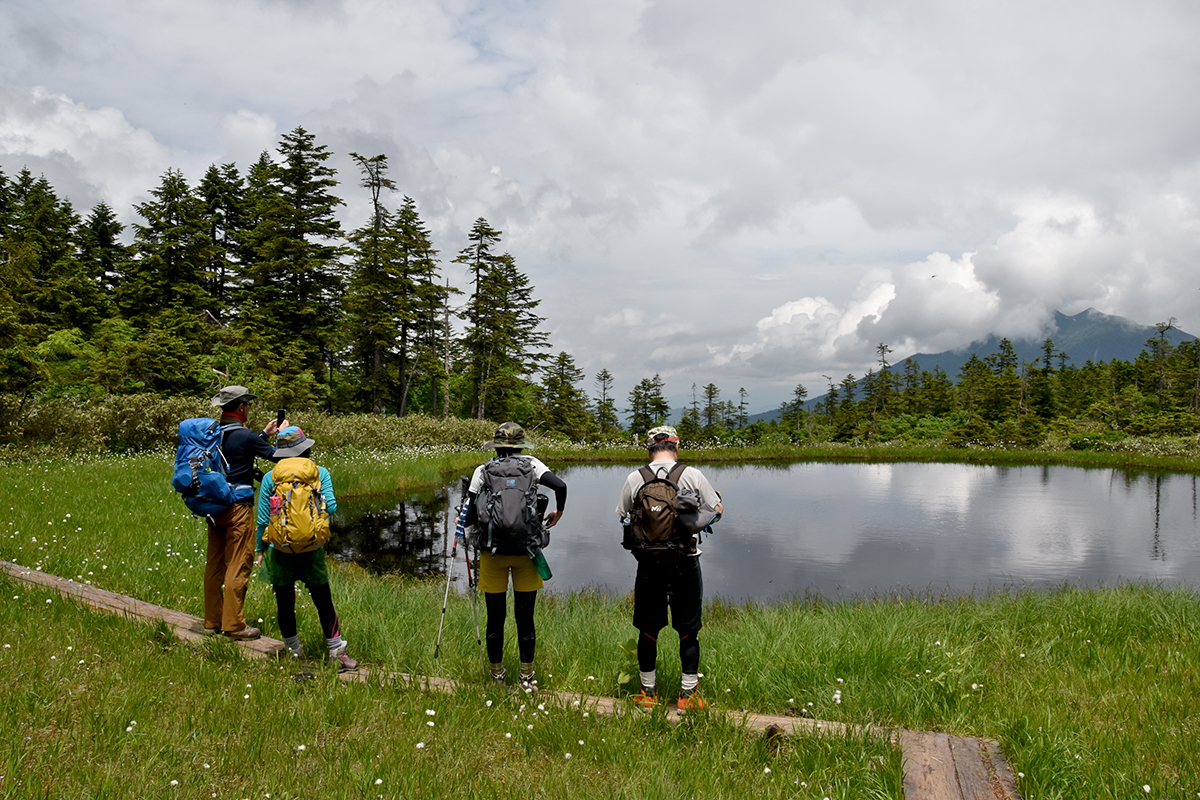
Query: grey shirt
x,y
690,478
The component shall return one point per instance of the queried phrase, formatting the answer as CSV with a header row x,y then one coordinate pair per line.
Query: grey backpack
x,y
508,518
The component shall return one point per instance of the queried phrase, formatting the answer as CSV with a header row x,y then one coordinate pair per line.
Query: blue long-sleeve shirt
x,y
267,488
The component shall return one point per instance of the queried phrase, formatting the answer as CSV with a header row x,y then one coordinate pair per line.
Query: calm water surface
x,y
847,530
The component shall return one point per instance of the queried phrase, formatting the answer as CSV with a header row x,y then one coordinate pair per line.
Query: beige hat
x,y
233,394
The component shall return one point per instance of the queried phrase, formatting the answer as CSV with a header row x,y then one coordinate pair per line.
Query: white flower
x,y
489,703
174,783
840,680
581,742
420,745
541,706
300,747
766,770
974,687
208,766
429,712
245,697
378,781
48,601
568,755
1146,788
430,723
528,727
508,736
129,729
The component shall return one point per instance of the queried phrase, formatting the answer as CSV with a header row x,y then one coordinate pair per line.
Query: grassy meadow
x,y
1091,693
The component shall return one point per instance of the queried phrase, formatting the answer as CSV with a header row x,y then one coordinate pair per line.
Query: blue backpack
x,y
200,468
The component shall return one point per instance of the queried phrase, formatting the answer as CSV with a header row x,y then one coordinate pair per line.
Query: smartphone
x,y
279,415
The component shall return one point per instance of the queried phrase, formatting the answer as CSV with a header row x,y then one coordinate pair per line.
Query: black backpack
x,y
508,519
654,519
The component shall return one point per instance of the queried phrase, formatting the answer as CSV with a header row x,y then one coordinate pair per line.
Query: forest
x,y
248,277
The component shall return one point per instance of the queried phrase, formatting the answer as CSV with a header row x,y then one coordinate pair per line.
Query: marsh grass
x,y
98,706
1091,693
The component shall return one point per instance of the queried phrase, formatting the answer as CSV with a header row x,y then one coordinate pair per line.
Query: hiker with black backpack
x,y
510,533
663,507
230,555
294,504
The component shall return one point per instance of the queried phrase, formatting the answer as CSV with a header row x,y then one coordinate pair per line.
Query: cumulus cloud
x,y
87,154
750,196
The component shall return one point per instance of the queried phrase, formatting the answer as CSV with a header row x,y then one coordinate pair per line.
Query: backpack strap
x,y
673,475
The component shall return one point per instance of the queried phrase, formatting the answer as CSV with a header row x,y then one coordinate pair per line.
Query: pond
x,y
846,530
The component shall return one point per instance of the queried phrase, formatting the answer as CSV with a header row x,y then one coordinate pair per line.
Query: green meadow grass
x,y
99,706
1091,693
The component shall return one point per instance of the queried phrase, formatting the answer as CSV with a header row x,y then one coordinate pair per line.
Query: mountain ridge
x,y
1090,335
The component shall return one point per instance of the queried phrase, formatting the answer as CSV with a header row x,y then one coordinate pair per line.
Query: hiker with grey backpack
x,y
511,528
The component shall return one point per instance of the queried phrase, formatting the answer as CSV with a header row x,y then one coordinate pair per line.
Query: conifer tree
x,y
503,333
293,282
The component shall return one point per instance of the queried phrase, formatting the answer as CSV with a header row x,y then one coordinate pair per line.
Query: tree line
x,y
248,277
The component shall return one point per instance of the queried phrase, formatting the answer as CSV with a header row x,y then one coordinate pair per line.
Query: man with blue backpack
x,y
231,533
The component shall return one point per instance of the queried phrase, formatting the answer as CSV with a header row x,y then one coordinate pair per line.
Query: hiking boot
x,y
211,631
498,677
527,682
246,634
646,698
344,662
294,652
690,700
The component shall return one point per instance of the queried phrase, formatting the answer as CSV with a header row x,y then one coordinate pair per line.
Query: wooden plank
x,y
1004,780
928,767
104,600
929,758
973,779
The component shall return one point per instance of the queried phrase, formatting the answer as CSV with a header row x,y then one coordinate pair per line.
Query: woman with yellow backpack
x,y
294,504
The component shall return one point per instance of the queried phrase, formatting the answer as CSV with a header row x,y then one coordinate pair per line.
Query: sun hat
x,y
291,442
233,394
663,433
509,435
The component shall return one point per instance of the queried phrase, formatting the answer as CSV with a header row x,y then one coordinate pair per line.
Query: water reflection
x,y
842,530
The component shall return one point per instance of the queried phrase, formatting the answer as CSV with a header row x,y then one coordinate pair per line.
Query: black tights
x,y
285,604
497,609
689,652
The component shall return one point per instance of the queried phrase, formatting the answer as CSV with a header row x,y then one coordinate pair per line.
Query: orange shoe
x,y
646,699
690,700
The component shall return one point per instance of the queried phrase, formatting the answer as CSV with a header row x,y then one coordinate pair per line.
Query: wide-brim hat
x,y
509,436
291,442
233,394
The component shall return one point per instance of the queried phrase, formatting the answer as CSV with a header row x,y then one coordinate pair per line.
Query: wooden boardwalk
x,y
936,766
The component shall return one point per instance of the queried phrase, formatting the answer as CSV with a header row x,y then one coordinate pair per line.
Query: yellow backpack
x,y
299,518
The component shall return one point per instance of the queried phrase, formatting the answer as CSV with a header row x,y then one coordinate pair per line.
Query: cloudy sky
x,y
750,194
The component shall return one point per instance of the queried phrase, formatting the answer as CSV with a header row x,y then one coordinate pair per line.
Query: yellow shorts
x,y
493,574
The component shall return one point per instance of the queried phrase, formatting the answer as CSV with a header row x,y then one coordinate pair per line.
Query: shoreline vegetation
x,y
1090,692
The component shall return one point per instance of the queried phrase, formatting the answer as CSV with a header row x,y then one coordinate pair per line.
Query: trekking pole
x,y
449,575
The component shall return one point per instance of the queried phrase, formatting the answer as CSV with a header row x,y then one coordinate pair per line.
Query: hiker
x,y
668,571
230,554
519,554
281,568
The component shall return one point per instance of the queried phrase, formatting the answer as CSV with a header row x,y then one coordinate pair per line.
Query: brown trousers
x,y
228,562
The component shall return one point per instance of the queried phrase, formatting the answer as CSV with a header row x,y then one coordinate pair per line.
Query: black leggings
x,y
689,652
285,604
497,609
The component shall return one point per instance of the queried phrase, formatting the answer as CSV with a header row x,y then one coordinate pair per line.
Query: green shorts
x,y
284,569
494,571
